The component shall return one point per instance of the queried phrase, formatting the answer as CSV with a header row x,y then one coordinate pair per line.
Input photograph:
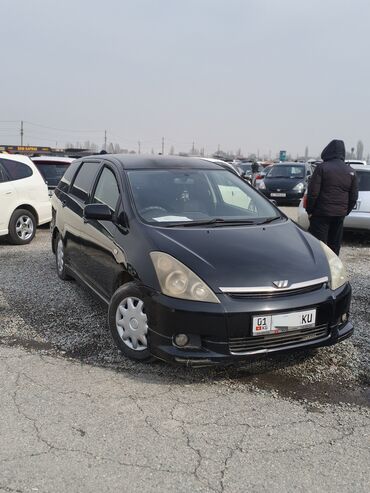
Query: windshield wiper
x,y
209,222
270,219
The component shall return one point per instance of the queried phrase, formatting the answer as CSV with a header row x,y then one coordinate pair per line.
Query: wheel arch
x,y
53,238
30,209
123,278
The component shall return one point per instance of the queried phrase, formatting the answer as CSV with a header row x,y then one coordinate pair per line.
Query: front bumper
x,y
290,196
222,333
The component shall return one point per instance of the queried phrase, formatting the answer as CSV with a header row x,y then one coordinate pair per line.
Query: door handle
x,y
9,192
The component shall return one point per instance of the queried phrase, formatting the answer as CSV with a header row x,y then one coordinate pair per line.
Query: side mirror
x,y
97,211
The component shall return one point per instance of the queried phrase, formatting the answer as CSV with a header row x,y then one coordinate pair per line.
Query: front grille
x,y
273,341
277,293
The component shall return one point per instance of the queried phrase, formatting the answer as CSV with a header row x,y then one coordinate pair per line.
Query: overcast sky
x,y
254,74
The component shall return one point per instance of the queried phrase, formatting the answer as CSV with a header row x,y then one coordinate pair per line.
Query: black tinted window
x,y
16,170
363,180
84,180
107,191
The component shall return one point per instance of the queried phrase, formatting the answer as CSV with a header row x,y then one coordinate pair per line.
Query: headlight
x,y
178,281
338,275
299,187
262,185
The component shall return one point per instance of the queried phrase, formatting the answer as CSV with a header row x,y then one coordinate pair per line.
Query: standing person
x,y
254,169
332,194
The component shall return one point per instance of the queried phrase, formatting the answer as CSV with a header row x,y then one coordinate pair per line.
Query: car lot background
x,y
83,415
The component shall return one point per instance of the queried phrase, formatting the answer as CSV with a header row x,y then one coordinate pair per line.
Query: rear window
x,y
52,172
363,181
16,170
84,180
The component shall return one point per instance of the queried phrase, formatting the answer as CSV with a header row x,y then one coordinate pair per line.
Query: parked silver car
x,y
359,218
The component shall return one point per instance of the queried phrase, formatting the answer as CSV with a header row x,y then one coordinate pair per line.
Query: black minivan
x,y
195,265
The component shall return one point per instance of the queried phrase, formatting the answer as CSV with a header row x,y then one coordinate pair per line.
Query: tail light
x,y
259,177
305,201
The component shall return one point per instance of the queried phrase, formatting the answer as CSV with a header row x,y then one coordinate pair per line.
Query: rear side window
x,y
16,170
84,180
107,191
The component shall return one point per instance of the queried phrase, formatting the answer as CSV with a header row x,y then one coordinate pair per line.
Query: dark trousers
x,y
329,230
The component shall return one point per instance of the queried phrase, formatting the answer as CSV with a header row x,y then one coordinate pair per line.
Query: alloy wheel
x,y
24,227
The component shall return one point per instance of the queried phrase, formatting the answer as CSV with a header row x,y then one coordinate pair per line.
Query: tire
x,y
128,322
59,259
22,227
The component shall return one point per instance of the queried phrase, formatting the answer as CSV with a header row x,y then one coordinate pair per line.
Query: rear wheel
x,y
128,322
60,259
22,227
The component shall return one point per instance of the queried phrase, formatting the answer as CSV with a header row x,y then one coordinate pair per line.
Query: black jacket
x,y
333,188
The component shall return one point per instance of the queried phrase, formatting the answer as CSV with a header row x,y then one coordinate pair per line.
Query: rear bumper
x,y
221,333
44,212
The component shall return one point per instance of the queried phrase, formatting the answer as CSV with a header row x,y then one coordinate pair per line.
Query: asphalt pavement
x,y
68,426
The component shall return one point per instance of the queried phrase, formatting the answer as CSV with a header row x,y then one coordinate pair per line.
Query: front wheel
x,y
22,227
128,322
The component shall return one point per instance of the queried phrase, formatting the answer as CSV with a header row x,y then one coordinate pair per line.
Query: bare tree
x,y
360,150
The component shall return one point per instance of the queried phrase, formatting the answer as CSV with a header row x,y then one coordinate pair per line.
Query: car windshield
x,y
197,196
363,181
246,167
52,172
287,171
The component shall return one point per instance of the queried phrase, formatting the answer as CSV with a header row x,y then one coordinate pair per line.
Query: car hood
x,y
281,183
245,256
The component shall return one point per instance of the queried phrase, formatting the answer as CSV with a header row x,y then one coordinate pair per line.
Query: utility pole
x,y
162,146
105,140
22,132
138,147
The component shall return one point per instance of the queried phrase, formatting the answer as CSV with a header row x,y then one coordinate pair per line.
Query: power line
x,y
61,129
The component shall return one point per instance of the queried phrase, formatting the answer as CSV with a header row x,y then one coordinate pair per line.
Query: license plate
x,y
278,194
283,322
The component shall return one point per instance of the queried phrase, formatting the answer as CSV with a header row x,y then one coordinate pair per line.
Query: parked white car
x,y
359,218
24,199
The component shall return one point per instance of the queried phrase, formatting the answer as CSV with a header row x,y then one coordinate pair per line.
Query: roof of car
x,y
360,167
52,159
155,162
16,157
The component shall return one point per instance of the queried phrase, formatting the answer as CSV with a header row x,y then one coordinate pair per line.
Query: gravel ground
x,y
39,311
